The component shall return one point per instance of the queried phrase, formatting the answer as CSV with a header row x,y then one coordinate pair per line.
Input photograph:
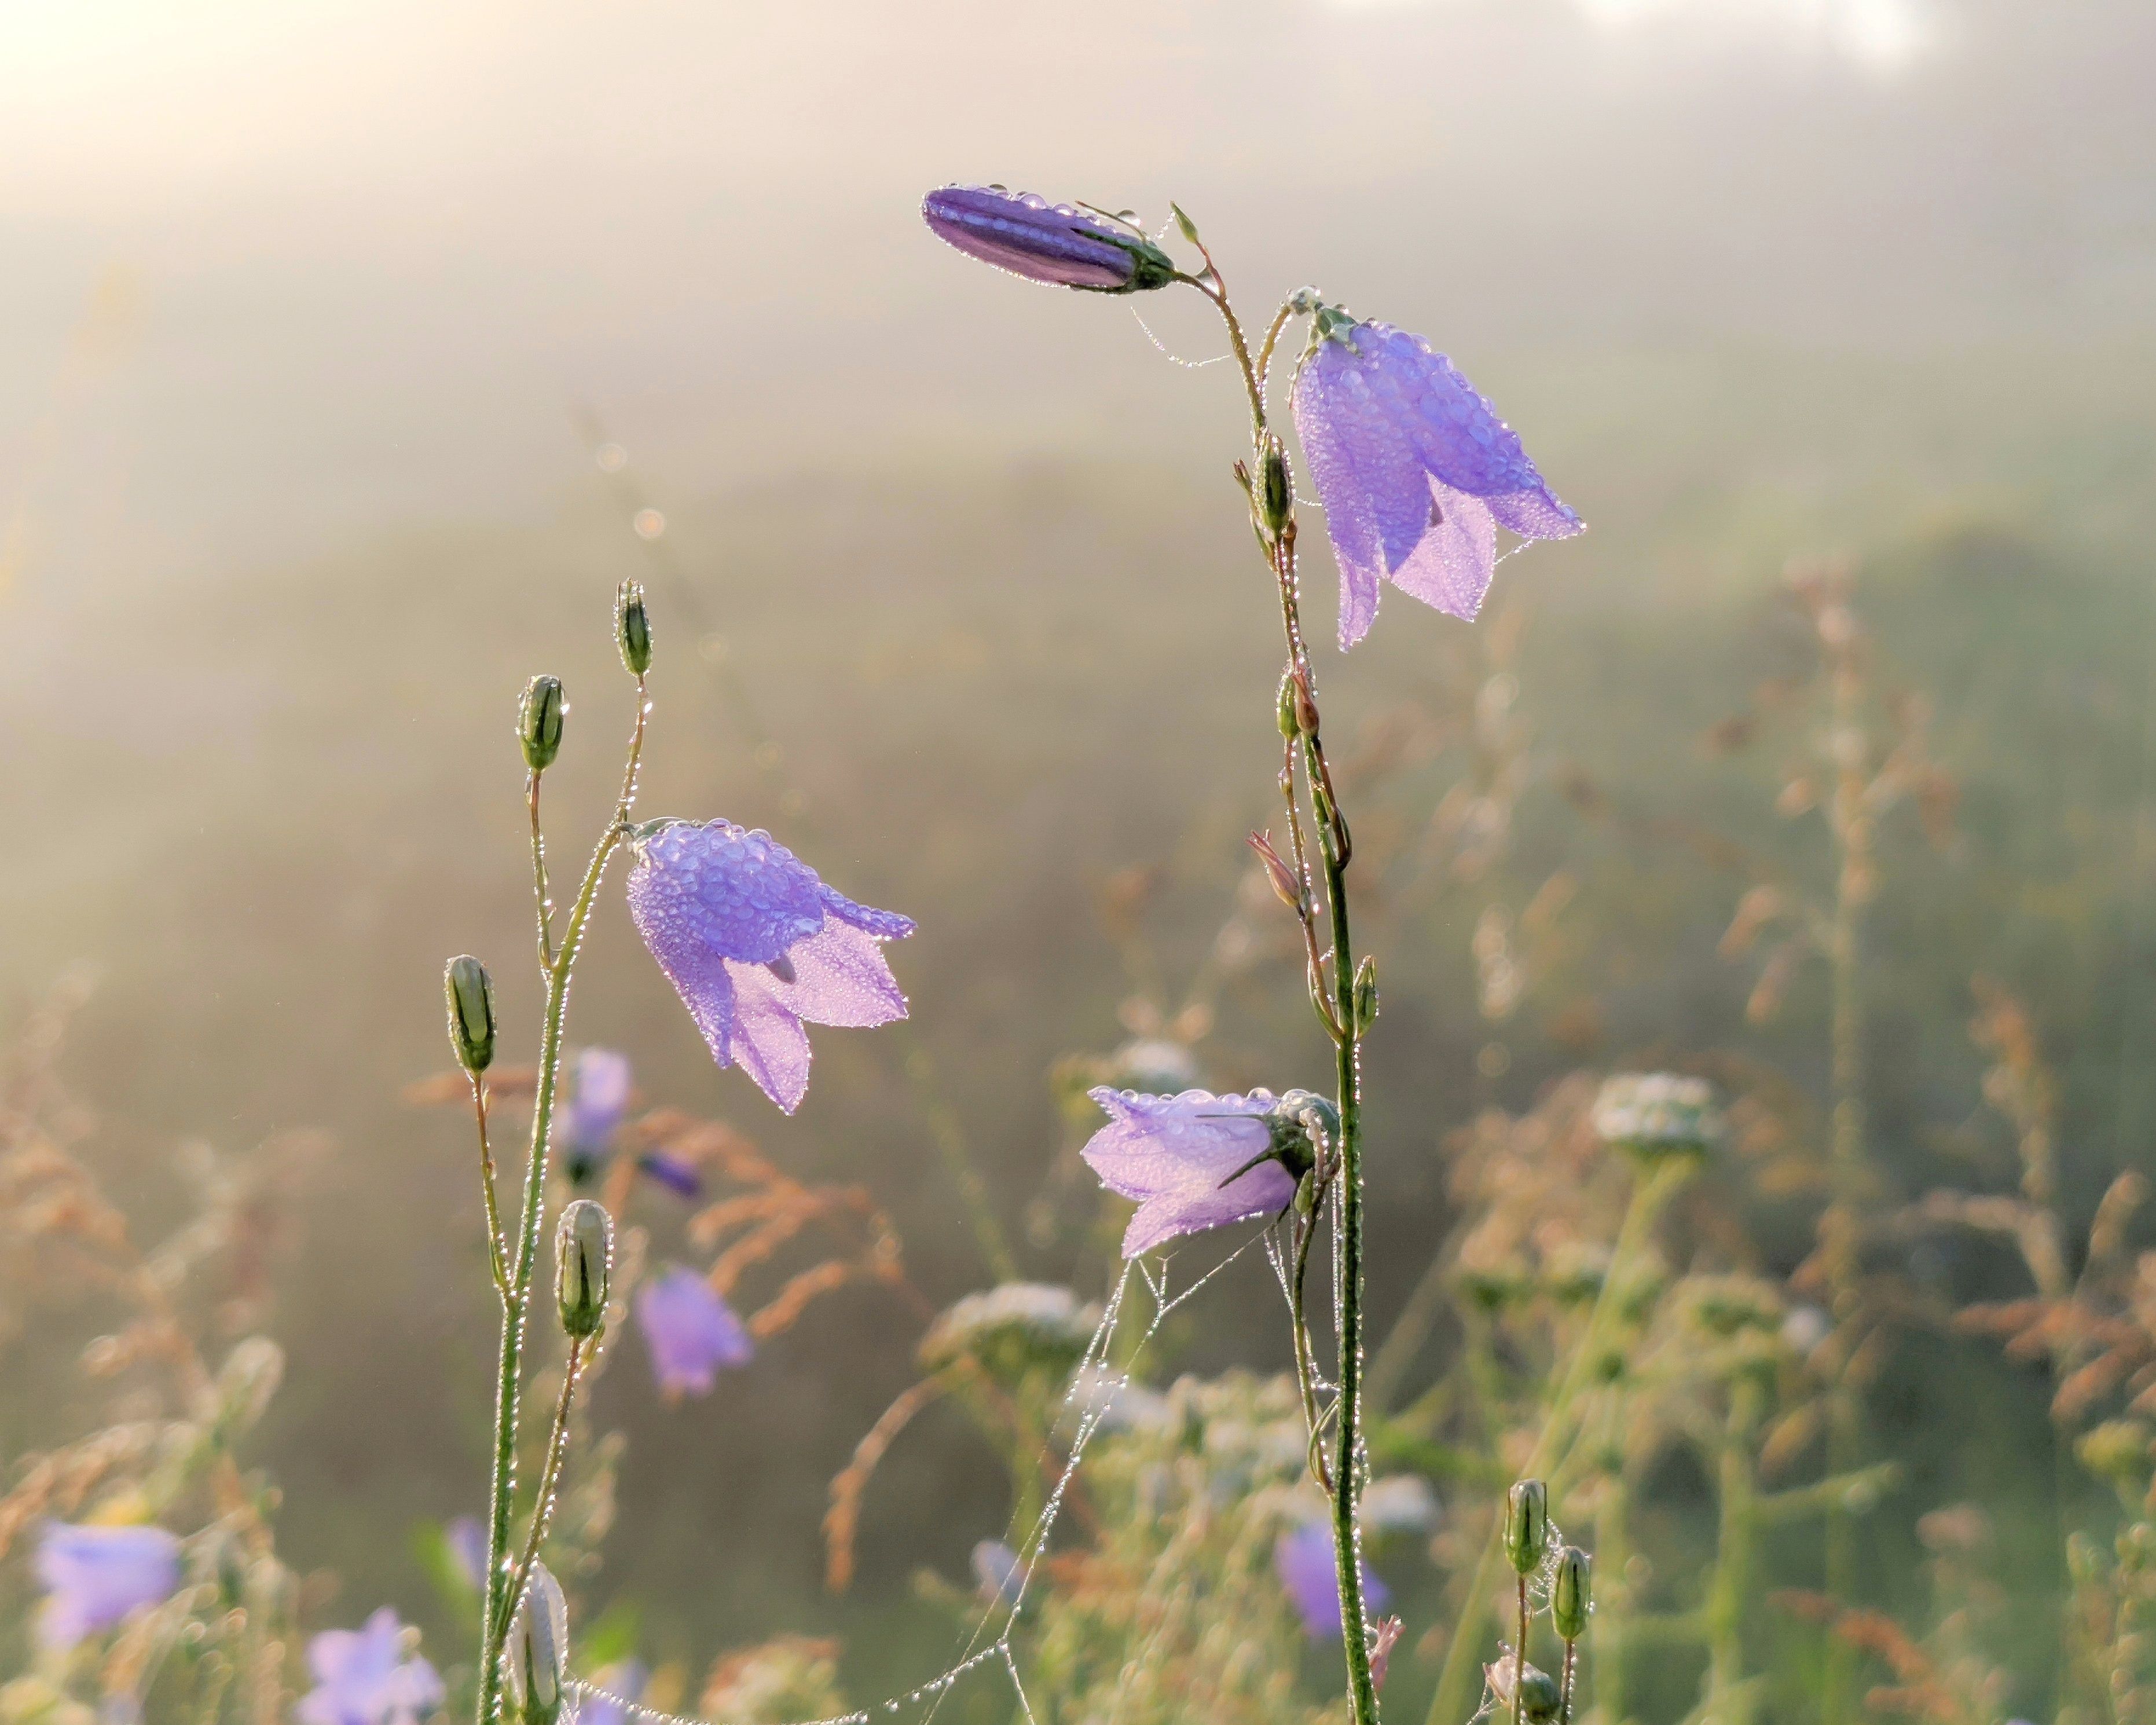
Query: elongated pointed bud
x,y
469,991
1526,1525
1306,704
1189,227
538,1645
1366,995
633,628
1574,1592
583,1260
1287,885
539,722
1289,727
1276,489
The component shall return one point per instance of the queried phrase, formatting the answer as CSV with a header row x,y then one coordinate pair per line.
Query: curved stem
x,y
493,1205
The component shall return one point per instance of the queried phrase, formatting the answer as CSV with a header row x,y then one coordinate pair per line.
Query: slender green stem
x,y
541,893
1650,1193
1519,1656
550,1475
518,1307
1564,1705
1729,1590
493,1204
1347,1462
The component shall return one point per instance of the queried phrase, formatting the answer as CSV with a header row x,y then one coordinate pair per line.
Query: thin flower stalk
x,y
1337,1007
499,1604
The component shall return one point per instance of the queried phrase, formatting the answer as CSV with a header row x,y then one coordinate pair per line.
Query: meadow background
x,y
321,328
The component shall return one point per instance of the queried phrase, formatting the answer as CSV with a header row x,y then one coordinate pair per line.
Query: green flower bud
x,y
1569,1599
471,993
539,722
1277,490
1366,995
633,628
1289,728
1541,1699
1526,1525
1189,227
538,1644
583,1257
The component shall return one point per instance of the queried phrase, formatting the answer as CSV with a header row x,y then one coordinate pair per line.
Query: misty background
x,y
353,353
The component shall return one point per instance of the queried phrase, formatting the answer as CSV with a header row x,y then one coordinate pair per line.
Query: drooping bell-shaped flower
x,y
1415,469
1198,1161
94,1575
692,1334
599,1100
1303,1559
755,944
369,1677
1052,243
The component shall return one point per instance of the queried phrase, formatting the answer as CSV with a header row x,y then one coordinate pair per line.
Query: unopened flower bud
x,y
1289,727
1541,1699
538,1642
470,995
1287,885
1276,490
1571,1596
539,722
1526,1525
1303,1125
1306,704
1189,227
1366,995
633,628
583,1257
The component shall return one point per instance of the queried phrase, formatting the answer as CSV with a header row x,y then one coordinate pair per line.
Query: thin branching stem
x,y
499,1264
541,892
550,1475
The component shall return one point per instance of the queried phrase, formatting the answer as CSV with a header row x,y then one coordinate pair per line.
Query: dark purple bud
x,y
670,1172
1054,244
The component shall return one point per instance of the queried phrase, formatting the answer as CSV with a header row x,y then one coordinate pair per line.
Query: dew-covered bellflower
x,y
756,945
1056,243
1198,1161
1415,469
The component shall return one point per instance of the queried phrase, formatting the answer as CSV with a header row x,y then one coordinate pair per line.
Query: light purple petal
x,y
94,1576
599,1097
768,1042
691,1331
884,924
466,1540
1309,1574
1450,569
361,1677
715,886
1025,234
1172,1154
840,977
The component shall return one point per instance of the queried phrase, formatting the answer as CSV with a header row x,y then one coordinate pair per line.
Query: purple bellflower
x,y
754,943
465,1541
692,1334
1198,1161
364,1676
1052,243
1415,469
624,1682
94,1576
599,1100
1303,1559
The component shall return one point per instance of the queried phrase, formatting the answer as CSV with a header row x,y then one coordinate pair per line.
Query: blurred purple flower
x,y
754,943
692,1332
999,1572
1303,1559
363,1676
1415,469
675,1175
622,1682
598,1100
1175,1155
1053,244
466,1540
94,1576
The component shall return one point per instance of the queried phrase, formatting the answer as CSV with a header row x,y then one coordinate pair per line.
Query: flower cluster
x,y
1656,1113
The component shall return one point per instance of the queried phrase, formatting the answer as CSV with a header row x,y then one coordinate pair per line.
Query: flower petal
x,y
741,893
840,977
1450,569
884,924
767,1040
